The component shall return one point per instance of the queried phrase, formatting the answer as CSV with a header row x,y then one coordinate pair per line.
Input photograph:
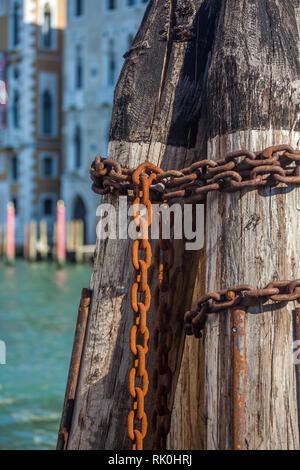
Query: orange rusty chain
x,y
240,296
237,170
139,331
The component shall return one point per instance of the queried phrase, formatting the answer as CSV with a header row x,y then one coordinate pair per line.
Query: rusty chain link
x,y
162,339
237,170
139,334
238,296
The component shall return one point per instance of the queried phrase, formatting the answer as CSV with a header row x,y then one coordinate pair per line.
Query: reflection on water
x,y
38,310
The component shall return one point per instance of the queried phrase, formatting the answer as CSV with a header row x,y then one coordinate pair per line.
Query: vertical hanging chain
x,y
162,339
139,334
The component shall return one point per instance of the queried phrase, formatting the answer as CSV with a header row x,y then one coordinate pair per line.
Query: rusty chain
x,y
238,296
139,334
237,170
162,339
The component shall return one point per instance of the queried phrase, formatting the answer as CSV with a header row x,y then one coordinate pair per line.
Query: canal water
x,y
38,311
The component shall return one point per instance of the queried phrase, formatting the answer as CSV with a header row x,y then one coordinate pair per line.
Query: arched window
x,y
77,147
48,206
111,4
78,7
14,168
111,63
16,110
47,113
78,69
16,24
46,29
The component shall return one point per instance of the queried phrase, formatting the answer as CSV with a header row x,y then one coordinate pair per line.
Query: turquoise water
x,y
38,311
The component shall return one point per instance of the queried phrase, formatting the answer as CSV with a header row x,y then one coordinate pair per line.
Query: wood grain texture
x,y
188,419
102,404
252,236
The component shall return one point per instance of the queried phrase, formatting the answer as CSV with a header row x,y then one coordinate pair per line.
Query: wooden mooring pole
x,y
213,77
10,234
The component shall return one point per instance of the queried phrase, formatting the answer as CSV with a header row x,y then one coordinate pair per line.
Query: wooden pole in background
x,y
33,241
43,241
26,241
1,240
61,233
10,240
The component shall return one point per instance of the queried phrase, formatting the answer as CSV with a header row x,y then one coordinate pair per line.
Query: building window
x,y
47,113
15,110
16,73
48,206
130,3
16,24
79,69
48,167
47,29
111,63
77,147
78,7
14,168
111,4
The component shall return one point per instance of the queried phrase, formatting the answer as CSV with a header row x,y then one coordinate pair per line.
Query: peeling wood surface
x,y
187,428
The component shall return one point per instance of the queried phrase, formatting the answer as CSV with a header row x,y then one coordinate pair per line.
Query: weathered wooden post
x,y
33,241
79,240
211,77
26,241
252,102
61,233
1,240
10,236
43,241
150,124
69,239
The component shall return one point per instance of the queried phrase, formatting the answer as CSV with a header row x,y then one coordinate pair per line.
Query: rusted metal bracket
x,y
239,379
68,408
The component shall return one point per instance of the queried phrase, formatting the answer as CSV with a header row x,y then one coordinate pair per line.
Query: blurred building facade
x,y
31,50
59,63
98,34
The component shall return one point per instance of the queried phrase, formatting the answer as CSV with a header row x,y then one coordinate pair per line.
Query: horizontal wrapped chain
x,y
238,296
237,170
